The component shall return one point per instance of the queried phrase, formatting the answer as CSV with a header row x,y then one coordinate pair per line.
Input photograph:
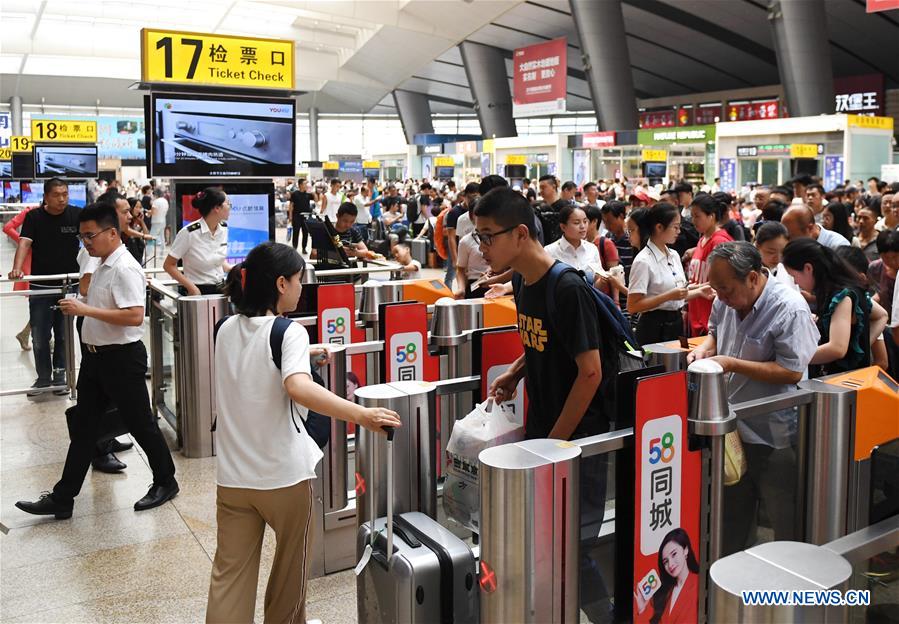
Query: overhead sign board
x,y
331,164
687,134
516,159
540,78
20,143
63,131
371,164
805,150
595,140
178,57
865,121
653,155
882,5
444,161
862,95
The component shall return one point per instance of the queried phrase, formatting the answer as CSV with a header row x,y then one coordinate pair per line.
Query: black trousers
x,y
299,223
117,376
659,326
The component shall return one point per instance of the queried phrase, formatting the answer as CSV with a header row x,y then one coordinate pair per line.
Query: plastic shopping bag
x,y
487,425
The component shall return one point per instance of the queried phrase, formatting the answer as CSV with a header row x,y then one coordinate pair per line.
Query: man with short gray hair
x,y
762,334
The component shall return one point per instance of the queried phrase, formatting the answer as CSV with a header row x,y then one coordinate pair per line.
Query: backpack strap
x,y
215,335
276,338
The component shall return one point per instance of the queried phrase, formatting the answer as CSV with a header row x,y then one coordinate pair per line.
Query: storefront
x,y
834,147
689,151
541,154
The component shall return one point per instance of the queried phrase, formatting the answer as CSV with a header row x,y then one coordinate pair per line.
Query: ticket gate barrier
x,y
375,293
673,354
787,567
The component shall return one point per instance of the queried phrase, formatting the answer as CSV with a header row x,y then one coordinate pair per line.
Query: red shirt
x,y
699,309
686,607
608,254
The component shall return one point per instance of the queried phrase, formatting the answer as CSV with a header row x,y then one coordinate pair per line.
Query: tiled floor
x,y
108,563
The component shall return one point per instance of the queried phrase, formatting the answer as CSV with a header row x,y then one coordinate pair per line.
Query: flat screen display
x,y
78,195
32,192
23,166
65,161
654,169
211,136
252,219
12,191
371,173
444,173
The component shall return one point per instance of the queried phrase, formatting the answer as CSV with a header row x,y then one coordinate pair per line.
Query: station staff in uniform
x,y
202,246
113,368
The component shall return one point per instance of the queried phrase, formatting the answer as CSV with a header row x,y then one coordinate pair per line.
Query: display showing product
x,y
212,136
65,161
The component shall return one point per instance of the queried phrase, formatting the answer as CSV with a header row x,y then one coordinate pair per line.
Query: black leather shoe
x,y
117,447
46,505
108,463
157,495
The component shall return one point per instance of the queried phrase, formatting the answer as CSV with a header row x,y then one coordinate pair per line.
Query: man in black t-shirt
x,y
51,234
300,206
565,359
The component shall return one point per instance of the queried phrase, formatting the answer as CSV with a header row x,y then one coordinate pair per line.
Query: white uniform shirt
x,y
87,263
257,444
364,216
333,204
654,272
585,257
464,225
469,255
116,284
202,252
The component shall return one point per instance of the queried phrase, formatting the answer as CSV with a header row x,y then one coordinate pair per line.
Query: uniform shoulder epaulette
x,y
193,227
224,224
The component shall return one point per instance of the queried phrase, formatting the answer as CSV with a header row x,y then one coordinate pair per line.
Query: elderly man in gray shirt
x,y
763,335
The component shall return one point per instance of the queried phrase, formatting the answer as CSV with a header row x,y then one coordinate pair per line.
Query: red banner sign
x,y
708,114
882,5
596,140
540,78
404,326
666,504
658,119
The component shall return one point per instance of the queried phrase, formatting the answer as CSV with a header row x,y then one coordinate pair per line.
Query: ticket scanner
x,y
375,293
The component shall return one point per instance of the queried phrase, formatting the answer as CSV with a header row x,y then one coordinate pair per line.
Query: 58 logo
x,y
649,585
663,453
336,326
406,353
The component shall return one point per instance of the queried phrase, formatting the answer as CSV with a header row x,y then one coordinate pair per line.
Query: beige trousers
x,y
242,515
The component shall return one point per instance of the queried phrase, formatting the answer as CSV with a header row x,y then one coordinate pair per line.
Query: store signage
x,y
806,150
331,164
727,172
865,121
834,166
63,131
666,501
654,155
540,78
882,5
599,139
690,134
745,111
433,149
20,143
467,147
859,94
371,164
516,159
444,161
708,114
657,119
169,56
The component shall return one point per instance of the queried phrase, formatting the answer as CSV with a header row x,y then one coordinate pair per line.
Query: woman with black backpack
x,y
265,457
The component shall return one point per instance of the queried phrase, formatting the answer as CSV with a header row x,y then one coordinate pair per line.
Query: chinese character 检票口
x,y
277,58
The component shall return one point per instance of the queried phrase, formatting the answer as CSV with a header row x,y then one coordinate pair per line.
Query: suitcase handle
x,y
390,493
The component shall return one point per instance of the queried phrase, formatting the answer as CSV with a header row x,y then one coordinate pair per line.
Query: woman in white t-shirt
x,y
266,460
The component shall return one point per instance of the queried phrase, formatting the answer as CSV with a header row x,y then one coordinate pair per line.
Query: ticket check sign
x,y
220,60
63,131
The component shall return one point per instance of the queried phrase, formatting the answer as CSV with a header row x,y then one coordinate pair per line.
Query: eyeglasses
x,y
486,238
90,237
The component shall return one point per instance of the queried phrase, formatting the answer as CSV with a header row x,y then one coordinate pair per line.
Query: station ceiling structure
x,y
352,55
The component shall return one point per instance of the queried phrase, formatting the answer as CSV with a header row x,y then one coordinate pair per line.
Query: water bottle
x,y
289,232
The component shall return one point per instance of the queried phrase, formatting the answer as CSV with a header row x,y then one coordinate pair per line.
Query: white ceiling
x,y
350,54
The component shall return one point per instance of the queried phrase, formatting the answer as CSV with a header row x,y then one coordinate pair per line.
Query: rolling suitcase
x,y
419,249
427,575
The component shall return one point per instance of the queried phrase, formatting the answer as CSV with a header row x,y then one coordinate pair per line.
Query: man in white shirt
x,y
113,368
470,267
800,223
363,205
332,200
159,208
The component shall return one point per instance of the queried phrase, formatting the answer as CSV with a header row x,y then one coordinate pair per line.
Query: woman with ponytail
x,y
265,457
202,246
708,213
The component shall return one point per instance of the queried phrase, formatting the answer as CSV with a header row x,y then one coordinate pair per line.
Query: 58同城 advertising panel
x,y
221,136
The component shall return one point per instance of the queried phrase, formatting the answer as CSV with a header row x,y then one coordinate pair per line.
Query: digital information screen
x,y
65,161
217,136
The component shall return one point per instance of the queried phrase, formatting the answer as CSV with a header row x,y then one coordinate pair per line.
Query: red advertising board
x,y
882,5
658,119
666,503
594,140
540,78
337,324
745,111
496,350
404,327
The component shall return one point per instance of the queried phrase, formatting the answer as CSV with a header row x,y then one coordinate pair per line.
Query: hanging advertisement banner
x,y
834,166
594,140
666,504
212,59
540,78
727,172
